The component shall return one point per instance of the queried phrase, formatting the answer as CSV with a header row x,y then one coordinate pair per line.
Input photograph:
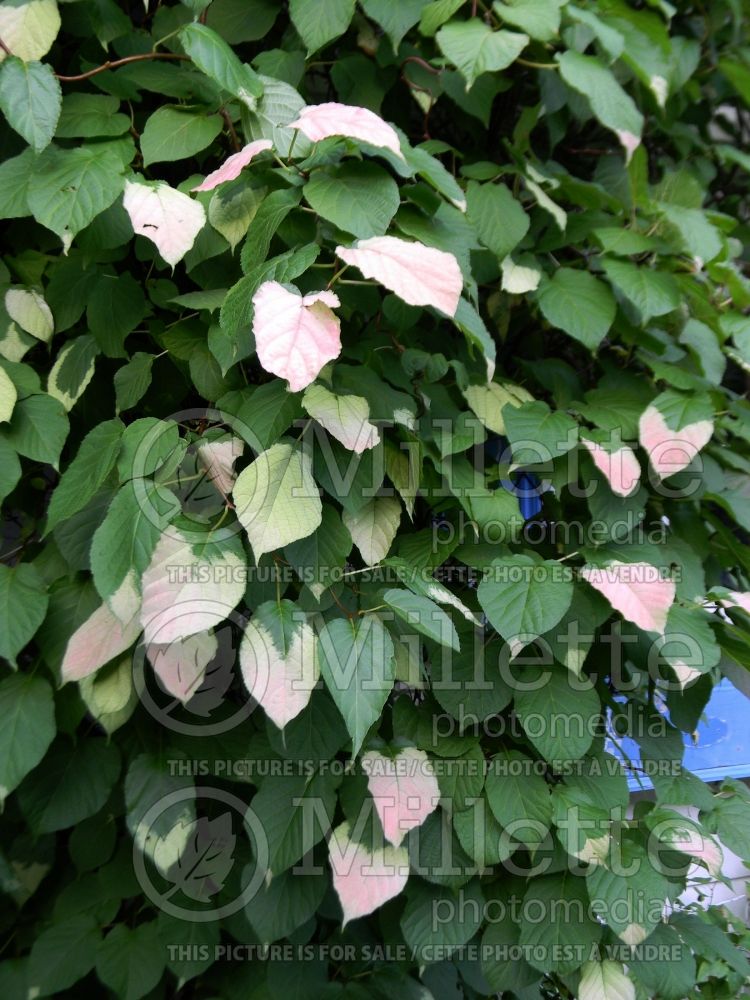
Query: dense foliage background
x,y
582,169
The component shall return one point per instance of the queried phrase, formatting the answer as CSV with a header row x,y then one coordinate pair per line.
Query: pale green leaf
x,y
276,498
319,23
30,98
474,48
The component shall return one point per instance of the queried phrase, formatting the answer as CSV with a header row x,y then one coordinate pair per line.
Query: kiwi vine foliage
x,y
352,357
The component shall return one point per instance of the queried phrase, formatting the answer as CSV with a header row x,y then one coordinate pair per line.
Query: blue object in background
x,y
525,486
522,484
723,741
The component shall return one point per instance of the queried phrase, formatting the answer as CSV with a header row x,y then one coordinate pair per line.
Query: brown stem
x,y
230,128
116,63
5,48
421,62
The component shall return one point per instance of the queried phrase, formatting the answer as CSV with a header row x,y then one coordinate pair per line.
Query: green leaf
x,y
85,116
173,134
63,954
271,213
614,108
38,429
115,308
231,210
630,895
696,234
558,714
538,18
23,600
276,498
294,812
28,712
731,817
73,784
278,107
360,198
673,977
579,304
14,182
132,381
266,414
124,542
318,23
394,19
10,469
519,797
73,370
357,664
30,98
93,463
561,942
524,598
424,615
426,935
653,293
284,904
538,434
474,48
500,221
70,187
216,59
503,965
110,695
131,962
319,558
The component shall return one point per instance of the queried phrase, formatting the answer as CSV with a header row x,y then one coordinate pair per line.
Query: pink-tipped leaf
x,y
321,121
232,167
295,334
637,590
420,275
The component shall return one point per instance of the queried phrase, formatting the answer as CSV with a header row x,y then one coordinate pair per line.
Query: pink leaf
x,y
295,334
232,167
619,467
169,218
320,121
420,275
630,143
100,639
181,665
671,451
637,590
404,789
735,599
364,879
185,593
218,458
